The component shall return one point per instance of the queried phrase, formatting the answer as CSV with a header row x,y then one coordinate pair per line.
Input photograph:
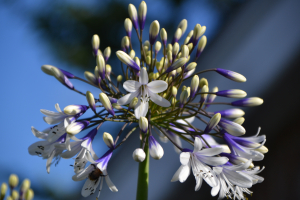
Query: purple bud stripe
x,y
103,161
241,102
142,21
91,134
152,39
67,74
68,83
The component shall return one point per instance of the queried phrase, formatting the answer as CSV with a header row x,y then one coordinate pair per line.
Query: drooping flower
x,y
247,147
198,160
144,91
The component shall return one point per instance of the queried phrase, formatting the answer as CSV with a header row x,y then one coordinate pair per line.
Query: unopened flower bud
x,y
106,103
186,41
153,31
191,33
133,102
155,150
142,14
183,25
188,89
178,63
239,120
139,155
201,45
148,60
233,93
128,27
163,36
213,122
202,82
183,88
91,78
212,97
91,100
204,90
190,46
231,75
101,66
25,184
194,85
183,98
170,47
3,190
177,35
95,43
119,78
248,102
184,51
106,54
9,198
137,61
117,106
13,180
132,54
47,69
174,101
190,67
133,15
108,139
231,113
170,56
175,49
232,127
29,194
178,70
157,46
174,91
76,127
143,123
15,194
62,78
107,70
125,58
125,43
75,109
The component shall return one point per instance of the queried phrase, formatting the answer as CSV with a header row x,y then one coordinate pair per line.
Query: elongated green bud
x,y
101,66
194,85
106,103
183,98
239,120
213,122
184,51
203,81
163,36
25,184
29,194
128,27
133,102
174,91
120,78
107,53
95,43
3,190
204,96
153,31
190,66
175,48
143,123
91,100
201,45
183,25
15,194
157,46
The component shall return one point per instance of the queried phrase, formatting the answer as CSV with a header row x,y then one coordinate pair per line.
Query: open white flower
x,y
144,91
198,160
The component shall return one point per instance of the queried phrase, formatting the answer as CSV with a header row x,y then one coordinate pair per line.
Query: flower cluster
x,y
148,101
24,193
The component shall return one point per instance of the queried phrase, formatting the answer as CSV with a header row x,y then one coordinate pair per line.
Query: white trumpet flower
x,y
144,91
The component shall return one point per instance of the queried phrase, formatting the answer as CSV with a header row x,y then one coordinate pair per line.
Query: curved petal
x,y
181,174
89,187
213,161
75,148
238,179
198,182
210,151
157,86
38,134
215,190
143,76
185,158
131,86
141,109
110,184
197,145
127,98
83,174
159,100
58,108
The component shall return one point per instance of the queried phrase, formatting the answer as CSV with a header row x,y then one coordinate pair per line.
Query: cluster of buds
x,y
24,192
148,100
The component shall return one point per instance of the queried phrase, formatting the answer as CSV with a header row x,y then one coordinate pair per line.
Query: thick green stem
x,y
143,177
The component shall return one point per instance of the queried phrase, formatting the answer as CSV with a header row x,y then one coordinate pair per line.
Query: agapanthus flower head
x,y
144,96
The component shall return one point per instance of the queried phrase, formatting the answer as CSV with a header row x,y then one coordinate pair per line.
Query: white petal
x,y
131,86
37,148
58,108
181,174
75,148
213,161
53,120
143,76
38,134
198,182
157,86
50,113
197,145
83,174
159,100
238,179
110,184
210,151
141,109
215,190
185,158
218,170
89,187
49,161
127,98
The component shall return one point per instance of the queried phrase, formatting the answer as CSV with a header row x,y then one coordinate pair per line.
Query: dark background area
x,y
257,38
